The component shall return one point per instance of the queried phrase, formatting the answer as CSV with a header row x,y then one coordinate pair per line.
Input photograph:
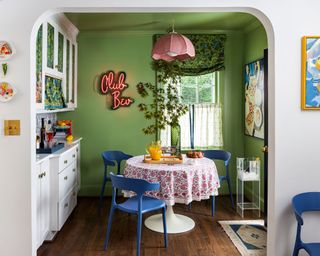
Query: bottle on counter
x,y
49,131
38,142
49,126
42,133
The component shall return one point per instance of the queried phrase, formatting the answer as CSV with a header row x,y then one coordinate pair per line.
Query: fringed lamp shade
x,y
173,46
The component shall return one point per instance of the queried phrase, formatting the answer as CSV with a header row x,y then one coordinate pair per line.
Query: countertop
x,y
41,157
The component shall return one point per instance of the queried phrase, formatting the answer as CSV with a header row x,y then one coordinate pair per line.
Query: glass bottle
x,y
42,133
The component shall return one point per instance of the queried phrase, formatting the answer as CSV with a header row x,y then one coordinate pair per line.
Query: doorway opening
x,y
107,41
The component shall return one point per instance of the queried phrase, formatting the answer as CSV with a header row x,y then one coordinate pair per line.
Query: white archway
x,y
271,92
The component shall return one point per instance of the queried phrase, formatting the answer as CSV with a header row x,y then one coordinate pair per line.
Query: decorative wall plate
x,y
7,91
6,50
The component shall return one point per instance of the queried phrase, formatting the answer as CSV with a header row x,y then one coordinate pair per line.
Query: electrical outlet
x,y
11,127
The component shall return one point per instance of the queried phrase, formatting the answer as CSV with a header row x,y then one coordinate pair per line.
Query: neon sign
x,y
115,85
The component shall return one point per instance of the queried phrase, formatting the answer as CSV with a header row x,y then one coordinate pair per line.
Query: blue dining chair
x,y
111,158
305,202
138,204
224,156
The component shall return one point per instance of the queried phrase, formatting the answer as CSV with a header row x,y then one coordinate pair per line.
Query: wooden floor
x,y
84,233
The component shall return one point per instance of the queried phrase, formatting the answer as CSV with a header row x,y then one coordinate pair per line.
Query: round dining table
x,y
193,180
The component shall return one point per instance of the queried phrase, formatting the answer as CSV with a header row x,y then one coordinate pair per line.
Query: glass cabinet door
x,y
68,72
39,65
60,52
50,46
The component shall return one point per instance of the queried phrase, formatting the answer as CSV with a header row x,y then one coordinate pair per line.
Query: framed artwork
x,y
310,75
254,99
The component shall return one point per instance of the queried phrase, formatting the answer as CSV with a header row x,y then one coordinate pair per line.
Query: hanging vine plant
x,y
166,107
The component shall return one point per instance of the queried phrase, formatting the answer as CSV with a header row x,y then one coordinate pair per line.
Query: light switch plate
x,y
11,127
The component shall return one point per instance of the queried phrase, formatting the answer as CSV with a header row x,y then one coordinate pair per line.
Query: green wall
x,y
105,129
255,43
102,128
231,99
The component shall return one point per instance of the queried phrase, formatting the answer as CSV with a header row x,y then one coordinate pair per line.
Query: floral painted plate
x,y
258,117
7,91
6,50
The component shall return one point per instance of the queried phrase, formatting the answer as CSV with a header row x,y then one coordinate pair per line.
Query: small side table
x,y
248,171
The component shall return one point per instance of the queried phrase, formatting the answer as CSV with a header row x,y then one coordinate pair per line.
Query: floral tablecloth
x,y
179,183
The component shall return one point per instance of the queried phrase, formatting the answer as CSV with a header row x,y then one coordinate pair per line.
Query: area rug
x,y
249,236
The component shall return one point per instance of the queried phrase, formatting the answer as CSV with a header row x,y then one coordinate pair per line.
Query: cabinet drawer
x,y
67,158
66,206
67,179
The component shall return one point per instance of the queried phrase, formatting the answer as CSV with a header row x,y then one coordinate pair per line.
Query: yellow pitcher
x,y
154,150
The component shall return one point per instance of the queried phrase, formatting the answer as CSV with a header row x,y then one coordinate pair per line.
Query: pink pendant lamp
x,y
173,46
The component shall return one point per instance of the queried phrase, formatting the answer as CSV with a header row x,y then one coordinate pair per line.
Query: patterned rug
x,y
249,236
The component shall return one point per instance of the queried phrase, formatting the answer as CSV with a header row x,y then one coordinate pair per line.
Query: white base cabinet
x,y
58,183
63,186
43,201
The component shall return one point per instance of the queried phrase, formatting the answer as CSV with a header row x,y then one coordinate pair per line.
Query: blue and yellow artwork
x,y
310,98
254,99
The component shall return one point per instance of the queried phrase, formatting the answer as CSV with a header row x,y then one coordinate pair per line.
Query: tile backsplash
x,y
50,116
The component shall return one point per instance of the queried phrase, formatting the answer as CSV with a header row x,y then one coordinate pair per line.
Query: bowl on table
x,y
195,154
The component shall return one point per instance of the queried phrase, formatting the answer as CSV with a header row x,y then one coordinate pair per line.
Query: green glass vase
x,y
176,138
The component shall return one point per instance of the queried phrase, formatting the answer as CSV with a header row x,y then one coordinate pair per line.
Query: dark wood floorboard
x,y
84,232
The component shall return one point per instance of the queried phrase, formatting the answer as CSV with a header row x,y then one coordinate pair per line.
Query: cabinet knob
x,y
40,176
66,177
66,205
65,161
74,169
77,150
74,155
44,174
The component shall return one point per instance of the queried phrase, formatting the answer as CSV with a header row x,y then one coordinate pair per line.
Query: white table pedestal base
x,y
176,223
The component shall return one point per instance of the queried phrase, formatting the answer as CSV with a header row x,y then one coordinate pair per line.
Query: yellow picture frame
x,y
310,73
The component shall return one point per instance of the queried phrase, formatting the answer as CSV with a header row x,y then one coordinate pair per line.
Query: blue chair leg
x,y
164,219
229,186
109,227
139,226
297,244
102,193
213,205
296,251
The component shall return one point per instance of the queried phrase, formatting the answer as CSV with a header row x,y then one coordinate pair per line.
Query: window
x,y
198,89
201,126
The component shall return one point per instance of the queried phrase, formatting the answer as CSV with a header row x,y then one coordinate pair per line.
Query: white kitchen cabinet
x,y
56,63
78,168
64,177
43,201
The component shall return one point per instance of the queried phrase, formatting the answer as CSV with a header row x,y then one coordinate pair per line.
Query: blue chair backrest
x,y
218,155
306,202
136,185
114,155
